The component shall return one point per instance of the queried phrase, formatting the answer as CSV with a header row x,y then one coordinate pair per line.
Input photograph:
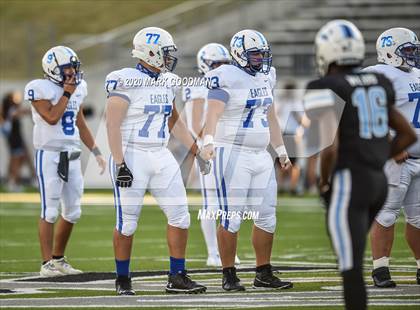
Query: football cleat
x,y
49,270
214,261
382,278
266,280
182,283
64,267
418,276
123,286
230,281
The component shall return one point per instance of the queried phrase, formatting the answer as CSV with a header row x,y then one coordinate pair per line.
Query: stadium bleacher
x,y
292,37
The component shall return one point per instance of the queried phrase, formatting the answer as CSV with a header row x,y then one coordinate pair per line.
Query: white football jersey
x,y
189,94
150,106
407,96
244,121
64,135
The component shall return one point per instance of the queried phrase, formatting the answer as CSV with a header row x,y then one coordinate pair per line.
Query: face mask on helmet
x,y
169,60
214,64
410,52
62,70
259,60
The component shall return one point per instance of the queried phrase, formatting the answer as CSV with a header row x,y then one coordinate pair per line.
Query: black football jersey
x,y
360,101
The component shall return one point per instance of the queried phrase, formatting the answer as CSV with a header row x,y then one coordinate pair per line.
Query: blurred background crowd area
x,y
101,33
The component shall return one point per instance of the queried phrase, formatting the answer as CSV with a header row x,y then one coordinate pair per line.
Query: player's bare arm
x,y
197,116
215,111
405,135
329,136
116,109
115,113
88,140
53,113
276,139
180,131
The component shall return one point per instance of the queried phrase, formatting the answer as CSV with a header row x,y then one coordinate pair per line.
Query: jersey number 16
x,y
372,111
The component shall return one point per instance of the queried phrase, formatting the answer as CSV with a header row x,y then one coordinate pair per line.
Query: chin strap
x,y
247,69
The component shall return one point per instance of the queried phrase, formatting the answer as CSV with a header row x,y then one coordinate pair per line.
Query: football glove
x,y
124,177
283,157
325,195
205,165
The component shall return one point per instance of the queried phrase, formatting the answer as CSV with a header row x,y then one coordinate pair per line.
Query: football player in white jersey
x,y
240,124
140,114
399,60
209,57
59,125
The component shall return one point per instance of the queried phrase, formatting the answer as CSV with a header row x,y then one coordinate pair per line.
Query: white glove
x,y
207,152
205,165
283,157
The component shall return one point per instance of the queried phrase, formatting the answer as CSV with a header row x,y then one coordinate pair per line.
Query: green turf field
x,y
301,240
300,236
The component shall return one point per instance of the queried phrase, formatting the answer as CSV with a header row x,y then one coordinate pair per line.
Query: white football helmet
x,y
56,59
340,42
153,45
212,55
251,51
399,47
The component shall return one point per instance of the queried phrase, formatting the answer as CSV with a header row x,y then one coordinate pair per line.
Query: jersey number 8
x,y
67,123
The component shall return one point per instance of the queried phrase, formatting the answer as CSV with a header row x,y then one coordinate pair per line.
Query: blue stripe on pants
x,y
338,222
222,181
217,183
39,155
116,190
204,191
337,216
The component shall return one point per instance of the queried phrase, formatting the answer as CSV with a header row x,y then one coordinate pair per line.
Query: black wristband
x,y
67,94
96,151
120,165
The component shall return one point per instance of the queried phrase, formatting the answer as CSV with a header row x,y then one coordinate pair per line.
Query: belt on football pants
x,y
63,165
413,157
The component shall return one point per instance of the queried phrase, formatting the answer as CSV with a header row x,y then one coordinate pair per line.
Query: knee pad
x,y
181,220
412,214
50,215
231,224
267,221
413,221
73,216
128,228
127,218
387,217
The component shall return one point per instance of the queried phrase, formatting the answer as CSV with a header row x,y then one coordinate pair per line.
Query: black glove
x,y
205,165
124,177
325,195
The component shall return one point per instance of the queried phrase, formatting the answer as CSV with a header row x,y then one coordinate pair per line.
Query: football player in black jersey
x,y
354,111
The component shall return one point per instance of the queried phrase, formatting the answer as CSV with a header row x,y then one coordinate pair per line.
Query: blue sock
x,y
177,265
122,267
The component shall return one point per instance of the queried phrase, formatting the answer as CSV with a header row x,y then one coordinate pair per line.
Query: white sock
x,y
418,263
208,226
381,262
